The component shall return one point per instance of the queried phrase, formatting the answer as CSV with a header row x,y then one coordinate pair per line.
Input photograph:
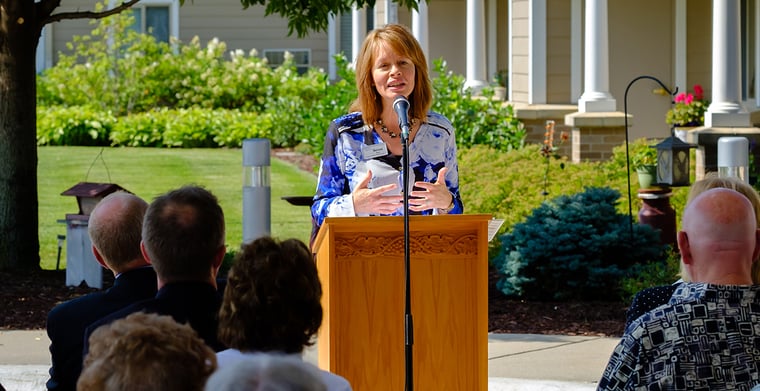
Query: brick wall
x,y
592,135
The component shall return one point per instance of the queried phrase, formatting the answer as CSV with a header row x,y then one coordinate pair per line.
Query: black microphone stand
x,y
408,324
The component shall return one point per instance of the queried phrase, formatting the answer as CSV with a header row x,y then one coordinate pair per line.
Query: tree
x,y
21,23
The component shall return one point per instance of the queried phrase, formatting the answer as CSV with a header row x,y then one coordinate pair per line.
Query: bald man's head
x,y
718,240
115,229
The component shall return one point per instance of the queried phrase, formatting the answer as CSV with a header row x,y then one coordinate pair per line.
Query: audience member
x,y
272,303
146,352
650,298
183,237
114,227
705,337
270,372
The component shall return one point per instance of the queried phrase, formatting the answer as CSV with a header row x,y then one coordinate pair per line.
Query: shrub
x,y
333,102
113,68
574,247
511,184
126,72
140,130
73,126
478,121
188,128
651,274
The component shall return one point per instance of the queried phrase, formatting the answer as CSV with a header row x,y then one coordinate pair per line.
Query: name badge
x,y
374,150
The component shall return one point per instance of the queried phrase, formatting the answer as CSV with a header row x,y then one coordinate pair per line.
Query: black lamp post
x,y
627,153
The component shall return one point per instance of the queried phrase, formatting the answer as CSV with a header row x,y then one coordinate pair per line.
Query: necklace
x,y
385,130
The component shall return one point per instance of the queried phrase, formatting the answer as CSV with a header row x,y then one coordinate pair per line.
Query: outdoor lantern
x,y
733,158
673,162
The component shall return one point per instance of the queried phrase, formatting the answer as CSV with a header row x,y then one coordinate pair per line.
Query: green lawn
x,y
149,172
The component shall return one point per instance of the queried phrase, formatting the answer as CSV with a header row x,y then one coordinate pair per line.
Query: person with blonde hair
x,y
649,298
360,171
146,352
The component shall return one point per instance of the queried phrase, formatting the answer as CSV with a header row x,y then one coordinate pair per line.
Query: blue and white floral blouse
x,y
344,163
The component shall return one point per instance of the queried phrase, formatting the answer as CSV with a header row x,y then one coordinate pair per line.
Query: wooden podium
x,y
361,267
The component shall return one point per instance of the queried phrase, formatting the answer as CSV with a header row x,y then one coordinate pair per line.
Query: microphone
x,y
401,107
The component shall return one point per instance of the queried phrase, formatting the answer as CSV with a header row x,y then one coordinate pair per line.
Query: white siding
x,y
223,19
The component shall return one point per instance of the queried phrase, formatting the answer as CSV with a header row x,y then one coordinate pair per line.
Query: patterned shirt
x,y
349,154
647,300
706,338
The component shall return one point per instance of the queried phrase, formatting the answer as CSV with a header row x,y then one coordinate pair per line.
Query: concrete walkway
x,y
515,361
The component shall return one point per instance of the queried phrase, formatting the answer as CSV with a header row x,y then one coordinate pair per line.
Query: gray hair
x,y
267,372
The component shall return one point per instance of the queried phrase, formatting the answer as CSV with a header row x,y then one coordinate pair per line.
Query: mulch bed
x,y
27,297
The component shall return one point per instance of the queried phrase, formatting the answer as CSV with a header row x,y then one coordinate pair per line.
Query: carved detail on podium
x,y
388,245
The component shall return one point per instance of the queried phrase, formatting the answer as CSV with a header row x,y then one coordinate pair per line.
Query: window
x,y
153,20
159,18
301,58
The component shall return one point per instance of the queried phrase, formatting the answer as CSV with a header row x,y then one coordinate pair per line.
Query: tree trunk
x,y
19,34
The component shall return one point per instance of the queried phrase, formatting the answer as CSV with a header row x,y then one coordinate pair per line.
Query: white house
x,y
567,60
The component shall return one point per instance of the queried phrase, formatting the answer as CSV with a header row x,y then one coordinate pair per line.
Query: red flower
x,y
689,109
698,92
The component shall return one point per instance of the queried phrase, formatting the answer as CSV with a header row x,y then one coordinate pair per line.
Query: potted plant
x,y
644,161
500,84
688,111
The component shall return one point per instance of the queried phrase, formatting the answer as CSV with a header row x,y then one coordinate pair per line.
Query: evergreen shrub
x,y
575,247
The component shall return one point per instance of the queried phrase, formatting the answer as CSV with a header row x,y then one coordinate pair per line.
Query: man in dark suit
x,y
183,238
115,228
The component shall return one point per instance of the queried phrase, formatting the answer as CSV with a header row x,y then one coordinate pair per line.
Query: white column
x,y
359,30
596,96
726,69
680,45
757,53
391,12
41,55
332,46
576,45
492,48
420,27
476,46
537,55
510,52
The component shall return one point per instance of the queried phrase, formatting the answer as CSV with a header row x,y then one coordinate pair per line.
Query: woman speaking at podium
x,y
360,171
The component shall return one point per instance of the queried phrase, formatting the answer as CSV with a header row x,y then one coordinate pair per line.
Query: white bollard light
x,y
733,158
257,191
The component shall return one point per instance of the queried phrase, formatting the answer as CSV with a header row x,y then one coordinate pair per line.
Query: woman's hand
x,y
434,195
372,200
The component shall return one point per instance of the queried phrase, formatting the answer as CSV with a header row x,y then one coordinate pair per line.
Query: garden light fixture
x,y
627,153
673,162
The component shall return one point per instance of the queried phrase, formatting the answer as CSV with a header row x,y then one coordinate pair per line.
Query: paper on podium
x,y
493,227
